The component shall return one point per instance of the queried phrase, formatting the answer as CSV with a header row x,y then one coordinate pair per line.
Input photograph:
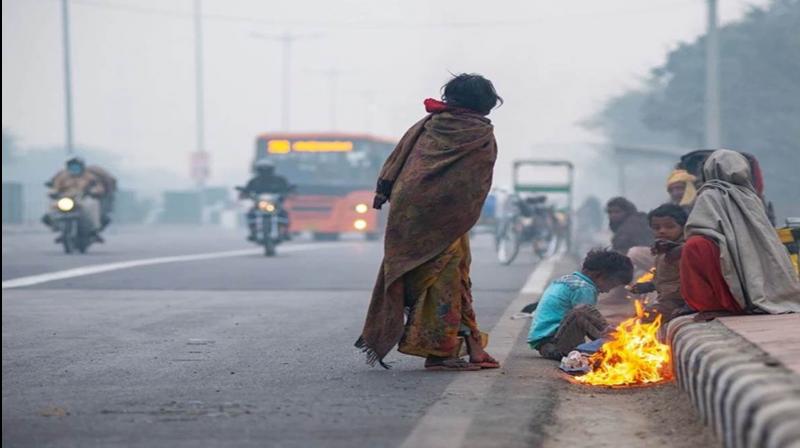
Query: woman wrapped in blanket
x,y
436,180
733,260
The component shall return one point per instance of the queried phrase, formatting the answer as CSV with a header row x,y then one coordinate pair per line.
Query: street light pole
x,y
199,82
712,106
369,109
287,40
199,158
333,85
67,76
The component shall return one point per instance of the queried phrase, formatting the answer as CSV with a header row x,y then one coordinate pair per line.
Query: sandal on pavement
x,y
487,363
451,364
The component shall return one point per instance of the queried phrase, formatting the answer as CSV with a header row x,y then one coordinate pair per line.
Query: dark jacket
x,y
634,231
267,184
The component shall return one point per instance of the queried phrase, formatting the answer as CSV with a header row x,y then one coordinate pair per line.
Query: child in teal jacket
x,y
567,314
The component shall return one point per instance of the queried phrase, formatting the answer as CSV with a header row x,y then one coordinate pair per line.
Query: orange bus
x,y
335,174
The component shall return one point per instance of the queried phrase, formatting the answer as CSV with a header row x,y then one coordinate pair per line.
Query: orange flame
x,y
644,278
634,355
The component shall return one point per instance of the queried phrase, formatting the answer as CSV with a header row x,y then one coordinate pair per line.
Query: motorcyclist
x,y
76,181
107,199
103,177
266,181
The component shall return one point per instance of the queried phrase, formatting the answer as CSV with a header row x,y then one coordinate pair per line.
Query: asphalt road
x,y
250,351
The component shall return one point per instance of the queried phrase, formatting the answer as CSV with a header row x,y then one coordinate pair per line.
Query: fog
x,y
556,64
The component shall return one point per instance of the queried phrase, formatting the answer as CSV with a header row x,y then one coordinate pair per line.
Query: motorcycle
x,y
71,219
270,219
527,220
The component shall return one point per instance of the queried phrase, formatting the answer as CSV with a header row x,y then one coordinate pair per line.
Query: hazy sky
x,y
554,62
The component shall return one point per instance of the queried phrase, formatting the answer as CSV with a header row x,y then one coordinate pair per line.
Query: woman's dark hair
x,y
621,203
673,211
610,264
471,91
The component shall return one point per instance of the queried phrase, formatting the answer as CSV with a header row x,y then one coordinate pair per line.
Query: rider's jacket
x,y
267,184
109,181
70,185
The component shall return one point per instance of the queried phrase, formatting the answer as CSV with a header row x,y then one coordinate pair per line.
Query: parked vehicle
x,y
528,220
528,215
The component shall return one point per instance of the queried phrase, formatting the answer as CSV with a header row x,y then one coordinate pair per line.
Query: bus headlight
x,y
266,206
362,208
65,204
360,224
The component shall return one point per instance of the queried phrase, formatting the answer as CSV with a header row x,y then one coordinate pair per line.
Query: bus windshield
x,y
330,164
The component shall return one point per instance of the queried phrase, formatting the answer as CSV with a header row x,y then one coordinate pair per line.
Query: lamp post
x,y
712,106
67,77
287,40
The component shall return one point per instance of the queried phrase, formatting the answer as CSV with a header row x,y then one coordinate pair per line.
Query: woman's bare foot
x,y
478,356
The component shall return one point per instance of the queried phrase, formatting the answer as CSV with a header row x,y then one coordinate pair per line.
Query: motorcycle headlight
x,y
65,204
266,206
362,208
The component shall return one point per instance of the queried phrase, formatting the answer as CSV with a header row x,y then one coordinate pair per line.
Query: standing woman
x,y
436,180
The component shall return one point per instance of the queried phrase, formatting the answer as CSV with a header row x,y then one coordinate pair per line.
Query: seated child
x,y
667,223
566,313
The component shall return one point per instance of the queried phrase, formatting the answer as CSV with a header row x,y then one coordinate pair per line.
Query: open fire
x,y
633,356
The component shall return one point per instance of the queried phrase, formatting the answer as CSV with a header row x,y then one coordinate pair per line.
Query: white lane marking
x,y
100,268
537,281
446,422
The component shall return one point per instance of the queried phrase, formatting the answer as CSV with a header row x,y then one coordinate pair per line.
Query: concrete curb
x,y
747,397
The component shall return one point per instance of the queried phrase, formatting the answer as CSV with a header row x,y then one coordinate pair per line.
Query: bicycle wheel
x,y
507,243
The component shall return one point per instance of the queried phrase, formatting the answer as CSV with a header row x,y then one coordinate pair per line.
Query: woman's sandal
x,y
451,364
487,363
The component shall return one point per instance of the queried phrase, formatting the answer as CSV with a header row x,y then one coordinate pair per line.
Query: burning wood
x,y
634,355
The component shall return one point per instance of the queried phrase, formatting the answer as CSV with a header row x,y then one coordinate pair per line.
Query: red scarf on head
x,y
433,106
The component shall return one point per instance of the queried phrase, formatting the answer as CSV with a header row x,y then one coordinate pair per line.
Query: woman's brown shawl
x,y
437,179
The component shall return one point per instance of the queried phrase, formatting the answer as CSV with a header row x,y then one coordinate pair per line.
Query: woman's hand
x,y
379,200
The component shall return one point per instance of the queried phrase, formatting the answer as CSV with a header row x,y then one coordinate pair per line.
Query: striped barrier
x,y
748,398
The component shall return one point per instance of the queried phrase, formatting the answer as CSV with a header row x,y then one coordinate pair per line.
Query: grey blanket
x,y
755,265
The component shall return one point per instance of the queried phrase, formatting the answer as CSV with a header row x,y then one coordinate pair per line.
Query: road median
x,y
741,374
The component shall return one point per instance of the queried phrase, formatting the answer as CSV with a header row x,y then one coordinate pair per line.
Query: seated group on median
x,y
437,180
717,253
